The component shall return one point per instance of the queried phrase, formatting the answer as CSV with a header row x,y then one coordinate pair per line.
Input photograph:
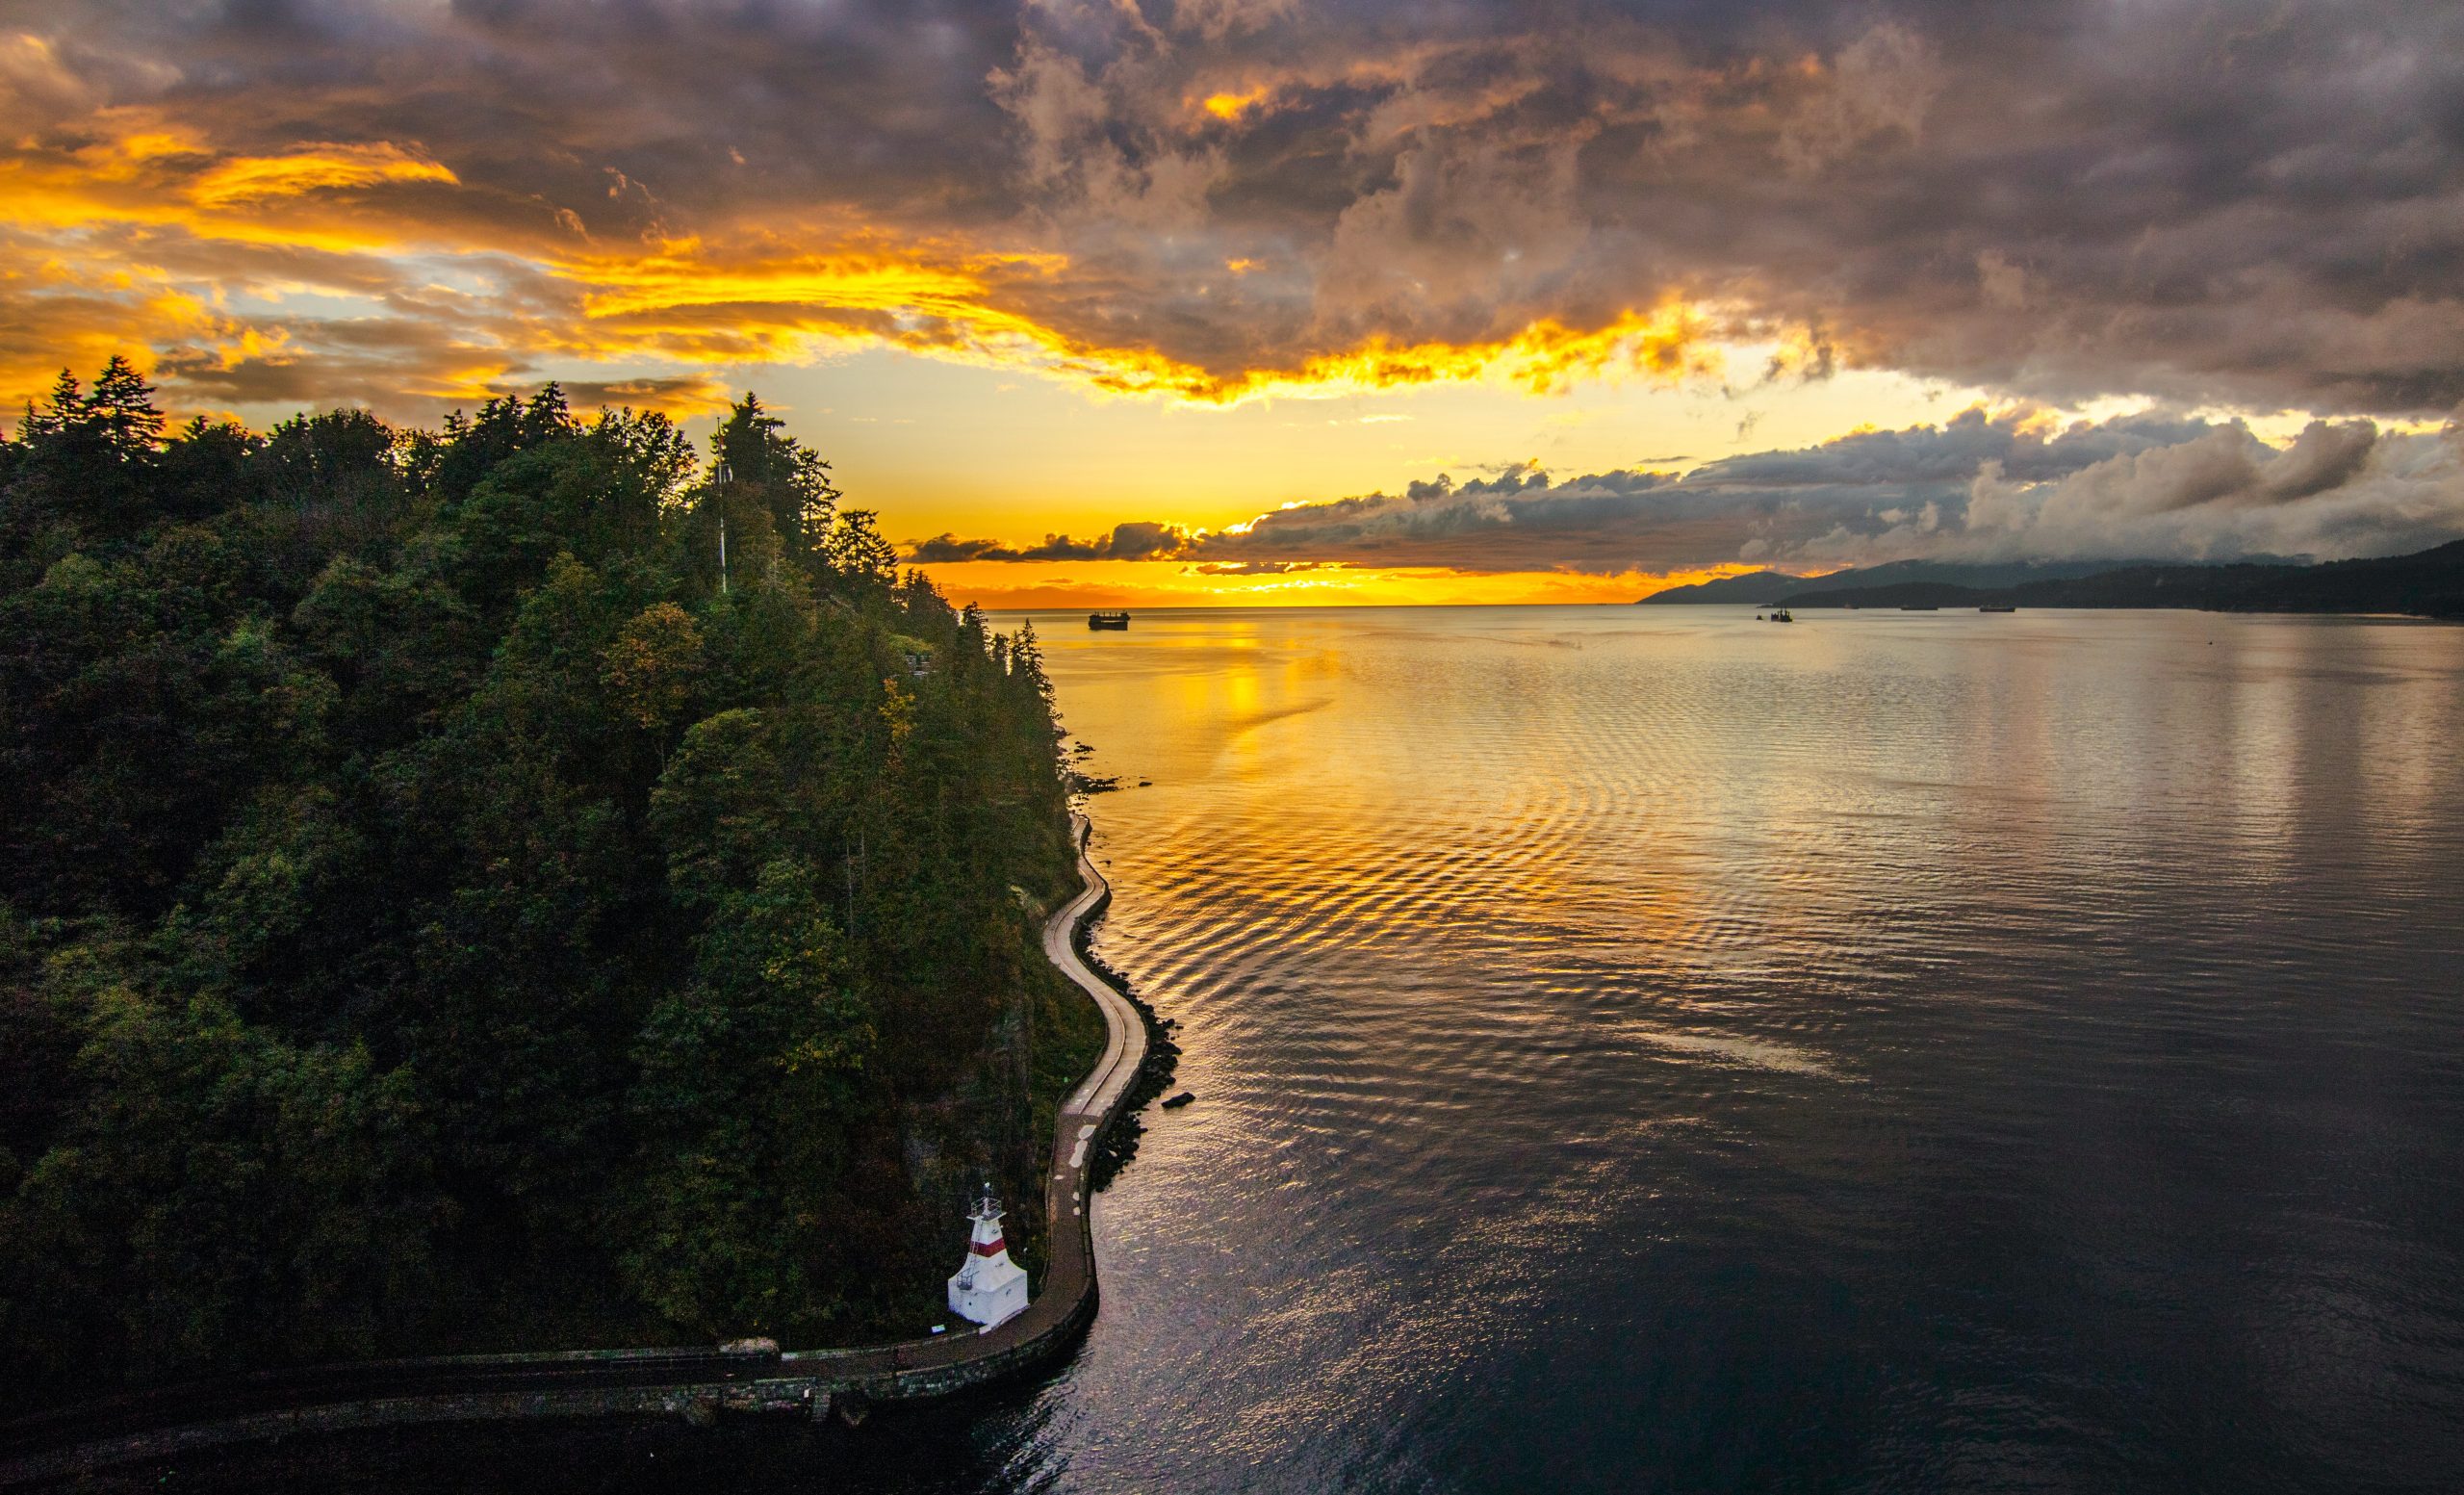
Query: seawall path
x,y
695,1384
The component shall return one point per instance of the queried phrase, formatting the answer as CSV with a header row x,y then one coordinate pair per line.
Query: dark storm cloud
x,y
676,392
2210,203
944,549
1261,568
1138,540
614,112
1979,487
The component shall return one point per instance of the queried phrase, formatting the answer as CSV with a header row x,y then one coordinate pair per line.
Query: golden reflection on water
x,y
1583,998
1674,775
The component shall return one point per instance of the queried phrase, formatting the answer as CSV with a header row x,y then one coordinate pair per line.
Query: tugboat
x,y
1111,620
1782,615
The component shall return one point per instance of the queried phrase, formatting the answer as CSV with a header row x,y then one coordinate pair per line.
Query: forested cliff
x,y
444,907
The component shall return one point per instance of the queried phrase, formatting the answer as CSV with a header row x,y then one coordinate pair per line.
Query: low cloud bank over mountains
x,y
1981,487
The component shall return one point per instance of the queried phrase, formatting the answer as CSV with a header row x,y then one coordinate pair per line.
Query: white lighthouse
x,y
991,1288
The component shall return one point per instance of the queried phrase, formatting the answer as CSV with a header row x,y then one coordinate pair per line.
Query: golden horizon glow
x,y
1010,586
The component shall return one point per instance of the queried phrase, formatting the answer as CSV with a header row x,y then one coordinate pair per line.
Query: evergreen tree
x,y
857,552
121,411
792,482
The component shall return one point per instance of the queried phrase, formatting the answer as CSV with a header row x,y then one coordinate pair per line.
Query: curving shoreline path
x,y
690,1382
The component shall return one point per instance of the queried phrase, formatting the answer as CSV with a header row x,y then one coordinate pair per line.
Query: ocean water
x,y
1650,1049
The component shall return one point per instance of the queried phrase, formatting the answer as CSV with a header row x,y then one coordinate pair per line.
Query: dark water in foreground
x,y
1645,1049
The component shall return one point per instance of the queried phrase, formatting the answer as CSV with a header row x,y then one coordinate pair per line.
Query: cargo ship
x,y
1115,620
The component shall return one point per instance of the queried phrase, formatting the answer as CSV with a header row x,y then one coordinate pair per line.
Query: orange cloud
x,y
143,173
311,168
1669,341
1232,106
66,314
685,274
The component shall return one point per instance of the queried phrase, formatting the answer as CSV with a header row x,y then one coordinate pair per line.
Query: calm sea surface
x,y
1650,1049
1654,1049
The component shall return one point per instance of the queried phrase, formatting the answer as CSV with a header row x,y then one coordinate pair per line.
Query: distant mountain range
x,y
1771,586
2429,584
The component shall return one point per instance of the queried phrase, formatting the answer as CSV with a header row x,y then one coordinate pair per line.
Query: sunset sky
x,y
1259,300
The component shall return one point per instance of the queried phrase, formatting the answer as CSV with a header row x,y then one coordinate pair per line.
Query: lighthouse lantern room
x,y
991,1288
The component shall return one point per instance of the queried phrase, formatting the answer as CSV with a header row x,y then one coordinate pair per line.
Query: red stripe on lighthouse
x,y
991,1247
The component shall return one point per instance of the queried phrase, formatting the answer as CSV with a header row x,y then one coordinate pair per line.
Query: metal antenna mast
x,y
722,480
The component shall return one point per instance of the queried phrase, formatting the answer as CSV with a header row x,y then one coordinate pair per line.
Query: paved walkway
x,y
1066,1297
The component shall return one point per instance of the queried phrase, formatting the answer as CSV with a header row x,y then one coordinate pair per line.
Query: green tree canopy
x,y
439,909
